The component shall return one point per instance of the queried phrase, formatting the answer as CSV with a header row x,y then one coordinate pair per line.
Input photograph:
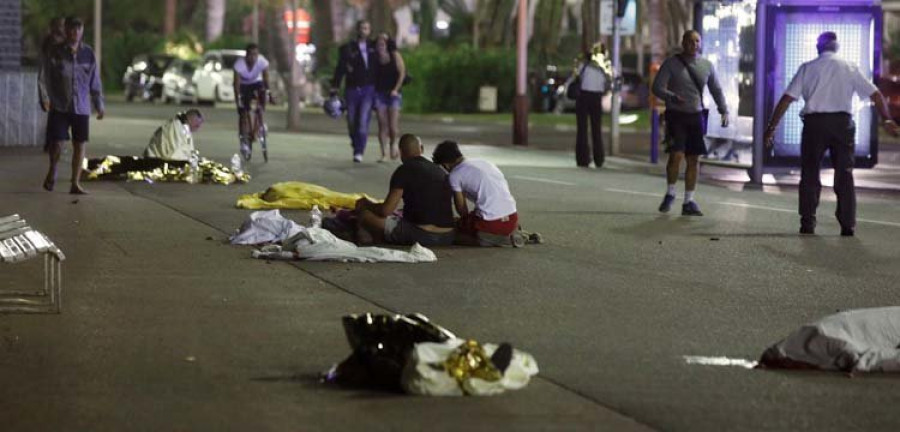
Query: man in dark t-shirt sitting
x,y
427,212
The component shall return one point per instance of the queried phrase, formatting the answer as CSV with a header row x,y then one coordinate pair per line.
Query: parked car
x,y
890,88
178,82
635,93
143,77
214,79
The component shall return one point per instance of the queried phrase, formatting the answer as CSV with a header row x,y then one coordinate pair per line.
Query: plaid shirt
x,y
69,81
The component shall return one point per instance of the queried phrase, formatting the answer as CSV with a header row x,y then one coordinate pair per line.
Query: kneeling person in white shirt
x,y
482,183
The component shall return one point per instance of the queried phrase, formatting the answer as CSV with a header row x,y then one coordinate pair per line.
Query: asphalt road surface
x,y
165,327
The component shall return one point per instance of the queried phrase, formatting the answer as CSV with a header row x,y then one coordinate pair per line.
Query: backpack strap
x,y
694,79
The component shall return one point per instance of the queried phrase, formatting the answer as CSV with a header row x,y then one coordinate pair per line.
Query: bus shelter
x,y
756,47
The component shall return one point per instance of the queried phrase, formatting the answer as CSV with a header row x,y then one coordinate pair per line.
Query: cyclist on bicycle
x,y
251,81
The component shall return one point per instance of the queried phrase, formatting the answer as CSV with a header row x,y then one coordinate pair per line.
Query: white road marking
x,y
758,207
719,361
633,192
736,204
543,180
877,222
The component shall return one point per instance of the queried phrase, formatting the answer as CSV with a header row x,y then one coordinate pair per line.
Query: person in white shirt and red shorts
x,y
495,216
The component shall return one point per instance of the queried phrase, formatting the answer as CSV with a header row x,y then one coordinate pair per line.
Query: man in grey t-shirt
x,y
680,84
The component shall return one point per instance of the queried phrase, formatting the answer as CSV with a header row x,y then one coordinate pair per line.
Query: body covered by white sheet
x,y
424,372
860,340
315,244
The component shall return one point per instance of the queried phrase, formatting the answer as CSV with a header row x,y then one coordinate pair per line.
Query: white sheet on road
x,y
860,340
265,227
315,244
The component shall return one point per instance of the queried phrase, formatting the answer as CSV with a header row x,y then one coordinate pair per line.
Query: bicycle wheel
x,y
262,136
245,148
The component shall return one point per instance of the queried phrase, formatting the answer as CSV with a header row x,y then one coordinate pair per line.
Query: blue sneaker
x,y
667,203
691,209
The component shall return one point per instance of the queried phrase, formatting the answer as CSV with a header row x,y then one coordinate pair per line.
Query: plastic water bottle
x,y
315,217
236,168
194,173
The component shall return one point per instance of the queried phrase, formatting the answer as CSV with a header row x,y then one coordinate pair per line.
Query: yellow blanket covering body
x,y
299,196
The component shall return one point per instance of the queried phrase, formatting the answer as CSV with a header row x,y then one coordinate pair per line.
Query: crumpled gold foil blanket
x,y
469,360
156,170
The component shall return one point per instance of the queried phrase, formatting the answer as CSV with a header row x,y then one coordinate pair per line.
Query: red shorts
x,y
472,224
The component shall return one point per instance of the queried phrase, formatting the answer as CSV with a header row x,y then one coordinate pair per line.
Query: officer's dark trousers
x,y
589,111
836,133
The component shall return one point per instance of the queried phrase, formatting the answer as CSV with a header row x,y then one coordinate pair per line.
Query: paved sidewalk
x,y
166,327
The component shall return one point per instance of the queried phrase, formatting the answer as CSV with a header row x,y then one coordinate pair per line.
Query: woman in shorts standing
x,y
390,71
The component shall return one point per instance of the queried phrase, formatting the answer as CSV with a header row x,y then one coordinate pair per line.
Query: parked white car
x,y
177,81
214,79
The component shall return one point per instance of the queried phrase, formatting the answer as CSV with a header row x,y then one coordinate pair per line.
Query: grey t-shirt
x,y
673,78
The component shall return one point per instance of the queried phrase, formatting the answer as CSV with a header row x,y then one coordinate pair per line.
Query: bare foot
x,y
77,190
382,159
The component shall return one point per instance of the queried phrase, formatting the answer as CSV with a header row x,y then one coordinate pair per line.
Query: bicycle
x,y
256,124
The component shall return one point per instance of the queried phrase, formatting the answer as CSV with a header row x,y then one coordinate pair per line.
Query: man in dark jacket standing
x,y
70,85
356,66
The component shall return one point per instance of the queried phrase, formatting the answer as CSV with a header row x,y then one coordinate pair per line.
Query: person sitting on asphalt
x,y
174,140
427,214
481,182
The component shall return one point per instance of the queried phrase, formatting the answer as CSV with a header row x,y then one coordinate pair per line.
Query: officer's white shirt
x,y
593,78
827,85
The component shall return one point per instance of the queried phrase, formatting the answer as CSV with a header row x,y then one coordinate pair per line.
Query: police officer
x,y
827,85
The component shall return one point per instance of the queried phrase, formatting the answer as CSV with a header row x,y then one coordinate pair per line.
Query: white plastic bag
x,y
424,372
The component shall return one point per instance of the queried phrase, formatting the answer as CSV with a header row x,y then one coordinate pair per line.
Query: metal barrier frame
x,y
22,243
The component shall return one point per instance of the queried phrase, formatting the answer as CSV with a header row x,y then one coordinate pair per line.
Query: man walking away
x,y
356,67
72,83
680,84
826,85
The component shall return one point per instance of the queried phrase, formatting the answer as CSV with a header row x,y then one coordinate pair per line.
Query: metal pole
x,y
98,23
617,72
256,21
654,118
759,109
520,112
